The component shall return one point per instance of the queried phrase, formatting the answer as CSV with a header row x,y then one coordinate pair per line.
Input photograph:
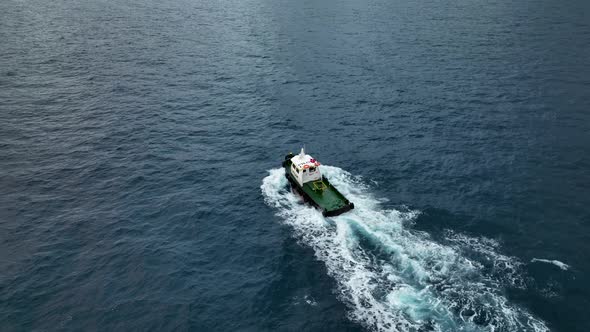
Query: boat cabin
x,y
304,168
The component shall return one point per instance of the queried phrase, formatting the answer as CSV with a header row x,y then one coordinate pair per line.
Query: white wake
x,y
555,262
396,279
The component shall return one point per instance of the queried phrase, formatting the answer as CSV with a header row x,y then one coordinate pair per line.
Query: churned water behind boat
x,y
135,137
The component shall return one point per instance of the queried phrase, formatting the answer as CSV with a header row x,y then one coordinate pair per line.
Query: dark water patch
x,y
295,292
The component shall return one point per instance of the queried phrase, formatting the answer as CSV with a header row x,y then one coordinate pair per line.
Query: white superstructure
x,y
304,168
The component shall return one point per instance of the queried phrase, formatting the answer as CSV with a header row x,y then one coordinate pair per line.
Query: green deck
x,y
325,195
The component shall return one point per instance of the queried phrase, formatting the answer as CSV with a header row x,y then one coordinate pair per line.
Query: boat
x,y
305,177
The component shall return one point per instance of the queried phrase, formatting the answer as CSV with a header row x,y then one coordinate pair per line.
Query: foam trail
x,y
555,262
393,278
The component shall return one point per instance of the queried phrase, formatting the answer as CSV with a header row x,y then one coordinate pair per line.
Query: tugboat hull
x,y
321,194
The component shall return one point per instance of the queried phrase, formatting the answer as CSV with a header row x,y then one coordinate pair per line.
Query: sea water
x,y
140,151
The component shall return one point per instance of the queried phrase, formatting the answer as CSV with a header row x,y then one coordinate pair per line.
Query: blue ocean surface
x,y
140,152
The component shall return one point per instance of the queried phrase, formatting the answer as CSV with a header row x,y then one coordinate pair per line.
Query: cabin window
x,y
312,169
304,171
